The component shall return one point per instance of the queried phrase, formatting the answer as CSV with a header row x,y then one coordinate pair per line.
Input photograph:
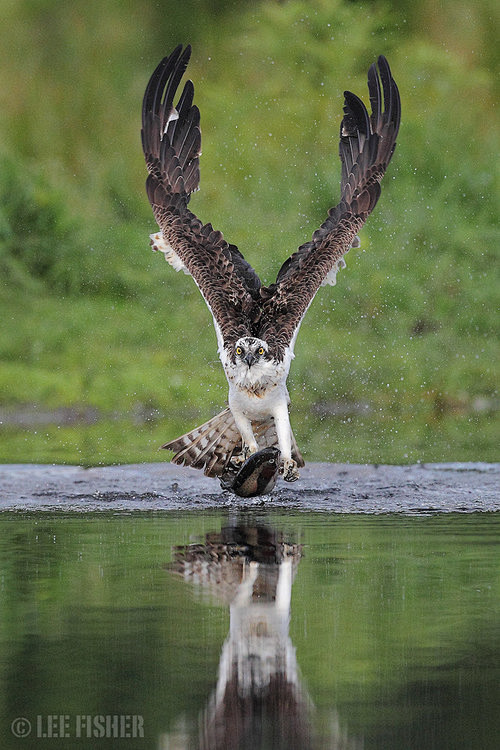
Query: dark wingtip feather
x,y
375,94
164,81
149,100
392,101
355,116
168,124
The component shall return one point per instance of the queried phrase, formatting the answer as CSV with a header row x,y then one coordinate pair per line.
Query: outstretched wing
x,y
367,144
171,140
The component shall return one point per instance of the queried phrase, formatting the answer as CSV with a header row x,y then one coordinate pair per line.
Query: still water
x,y
249,630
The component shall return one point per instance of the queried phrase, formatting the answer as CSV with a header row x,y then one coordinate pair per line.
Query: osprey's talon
x,y
290,470
237,461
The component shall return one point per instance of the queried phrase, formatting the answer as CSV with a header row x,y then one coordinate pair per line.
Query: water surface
x,y
250,629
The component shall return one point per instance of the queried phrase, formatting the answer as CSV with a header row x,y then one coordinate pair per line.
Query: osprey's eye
x,y
238,350
261,351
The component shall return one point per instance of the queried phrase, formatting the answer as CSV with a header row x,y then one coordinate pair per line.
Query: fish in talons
x,y
256,476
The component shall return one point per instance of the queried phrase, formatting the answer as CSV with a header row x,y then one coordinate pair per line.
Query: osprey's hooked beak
x,y
250,359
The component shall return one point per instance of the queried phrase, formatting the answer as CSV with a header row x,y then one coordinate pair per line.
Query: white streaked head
x,y
250,363
251,351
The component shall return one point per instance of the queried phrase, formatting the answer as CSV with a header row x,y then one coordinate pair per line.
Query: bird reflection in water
x,y
258,701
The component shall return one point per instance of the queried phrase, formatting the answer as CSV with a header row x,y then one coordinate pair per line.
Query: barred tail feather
x,y
212,445
209,446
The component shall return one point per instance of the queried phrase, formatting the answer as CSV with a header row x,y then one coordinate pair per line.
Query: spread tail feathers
x,y
212,445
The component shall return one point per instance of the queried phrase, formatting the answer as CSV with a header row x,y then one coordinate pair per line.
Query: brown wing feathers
x,y
366,147
367,143
171,163
171,139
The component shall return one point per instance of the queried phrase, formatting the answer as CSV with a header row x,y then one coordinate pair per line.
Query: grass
x,y
398,363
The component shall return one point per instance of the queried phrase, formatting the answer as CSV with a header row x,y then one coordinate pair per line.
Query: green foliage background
x,y
111,353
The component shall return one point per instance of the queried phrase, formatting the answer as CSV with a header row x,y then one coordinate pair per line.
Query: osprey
x,y
256,325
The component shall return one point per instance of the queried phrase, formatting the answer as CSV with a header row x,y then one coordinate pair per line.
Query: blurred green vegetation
x,y
398,363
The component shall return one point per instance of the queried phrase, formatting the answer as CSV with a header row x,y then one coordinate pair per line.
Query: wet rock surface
x,y
338,488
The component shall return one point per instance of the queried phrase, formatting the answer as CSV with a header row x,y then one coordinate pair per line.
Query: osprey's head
x,y
250,351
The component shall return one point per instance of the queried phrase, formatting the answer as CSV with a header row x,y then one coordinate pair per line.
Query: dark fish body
x,y
257,475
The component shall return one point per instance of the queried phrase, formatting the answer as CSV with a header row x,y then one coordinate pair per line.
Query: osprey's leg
x,y
249,442
284,434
